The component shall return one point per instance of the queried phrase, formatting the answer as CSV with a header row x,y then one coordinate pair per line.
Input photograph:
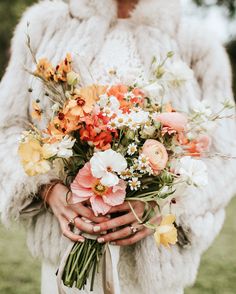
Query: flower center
x,y
61,116
99,189
80,101
109,169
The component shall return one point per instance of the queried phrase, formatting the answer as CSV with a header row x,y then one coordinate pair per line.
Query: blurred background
x,y
20,274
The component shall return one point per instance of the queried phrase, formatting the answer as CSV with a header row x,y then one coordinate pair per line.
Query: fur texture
x,y
80,26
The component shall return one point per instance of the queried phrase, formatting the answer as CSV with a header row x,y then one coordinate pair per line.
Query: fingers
x,y
120,234
68,233
119,208
79,223
115,223
84,226
86,212
134,238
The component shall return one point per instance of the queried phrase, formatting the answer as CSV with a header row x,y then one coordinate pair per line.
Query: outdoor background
x,y
20,274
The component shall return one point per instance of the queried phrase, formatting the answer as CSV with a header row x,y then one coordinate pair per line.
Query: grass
x,y
20,274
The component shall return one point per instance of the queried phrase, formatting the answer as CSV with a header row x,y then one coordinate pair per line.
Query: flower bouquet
x,y
117,143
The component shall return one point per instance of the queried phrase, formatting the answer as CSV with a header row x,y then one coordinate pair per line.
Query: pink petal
x,y
76,199
117,195
174,120
99,206
84,176
81,191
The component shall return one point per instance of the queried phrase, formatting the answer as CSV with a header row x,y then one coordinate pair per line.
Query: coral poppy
x,y
102,198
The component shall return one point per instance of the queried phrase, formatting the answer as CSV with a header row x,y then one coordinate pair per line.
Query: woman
x,y
116,40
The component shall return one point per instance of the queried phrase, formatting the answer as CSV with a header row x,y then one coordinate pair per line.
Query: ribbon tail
x,y
111,283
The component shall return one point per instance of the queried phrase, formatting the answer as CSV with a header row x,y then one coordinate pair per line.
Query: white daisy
x,y
134,184
132,148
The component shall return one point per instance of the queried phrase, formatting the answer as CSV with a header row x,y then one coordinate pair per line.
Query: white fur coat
x,y
57,27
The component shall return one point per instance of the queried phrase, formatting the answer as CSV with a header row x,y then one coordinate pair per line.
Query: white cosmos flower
x,y
153,91
194,171
105,165
178,73
202,108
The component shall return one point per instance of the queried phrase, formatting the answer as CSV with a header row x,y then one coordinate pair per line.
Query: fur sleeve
x,y
200,212
202,209
16,188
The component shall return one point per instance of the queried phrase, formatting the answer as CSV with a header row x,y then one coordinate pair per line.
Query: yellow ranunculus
x,y
31,155
166,233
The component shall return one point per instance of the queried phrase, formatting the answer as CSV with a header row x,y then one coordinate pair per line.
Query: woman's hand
x,y
65,212
132,232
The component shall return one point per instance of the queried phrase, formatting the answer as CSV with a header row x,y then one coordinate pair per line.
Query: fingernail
x,y
100,240
103,233
108,216
96,228
81,240
113,243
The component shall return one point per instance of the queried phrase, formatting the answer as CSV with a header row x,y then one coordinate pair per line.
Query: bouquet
x,y
117,143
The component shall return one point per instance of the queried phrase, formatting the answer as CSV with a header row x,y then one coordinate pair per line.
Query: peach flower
x,y
173,120
156,154
102,198
198,146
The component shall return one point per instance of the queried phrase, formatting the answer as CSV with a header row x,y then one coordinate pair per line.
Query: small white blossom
x,y
202,108
132,148
193,171
134,184
62,149
153,91
178,73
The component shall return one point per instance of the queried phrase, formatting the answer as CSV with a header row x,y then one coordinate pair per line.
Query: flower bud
x,y
72,78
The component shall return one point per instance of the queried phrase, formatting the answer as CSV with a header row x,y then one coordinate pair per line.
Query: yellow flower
x,y
31,156
166,233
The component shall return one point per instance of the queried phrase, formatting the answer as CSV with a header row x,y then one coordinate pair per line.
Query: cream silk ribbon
x,y
110,276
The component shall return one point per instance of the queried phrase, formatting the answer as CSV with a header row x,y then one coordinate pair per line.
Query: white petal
x,y
109,180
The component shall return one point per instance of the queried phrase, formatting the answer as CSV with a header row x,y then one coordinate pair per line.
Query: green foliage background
x,y
20,274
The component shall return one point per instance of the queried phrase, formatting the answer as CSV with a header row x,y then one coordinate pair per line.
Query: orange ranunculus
x,y
83,100
156,154
44,69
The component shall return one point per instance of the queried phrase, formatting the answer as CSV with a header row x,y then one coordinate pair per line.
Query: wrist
x,y
47,189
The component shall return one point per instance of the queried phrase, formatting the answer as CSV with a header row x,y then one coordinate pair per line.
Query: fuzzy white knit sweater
x,y
89,28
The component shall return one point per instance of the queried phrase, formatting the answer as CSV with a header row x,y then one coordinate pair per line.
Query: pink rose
x,y
156,154
174,120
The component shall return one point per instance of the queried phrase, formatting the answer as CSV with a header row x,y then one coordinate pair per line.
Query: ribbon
x,y
110,276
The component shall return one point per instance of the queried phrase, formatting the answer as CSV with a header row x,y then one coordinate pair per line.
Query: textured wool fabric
x,y
89,29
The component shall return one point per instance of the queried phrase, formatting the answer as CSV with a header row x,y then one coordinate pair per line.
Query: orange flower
x,y
63,69
84,99
37,112
126,103
95,131
44,69
198,146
